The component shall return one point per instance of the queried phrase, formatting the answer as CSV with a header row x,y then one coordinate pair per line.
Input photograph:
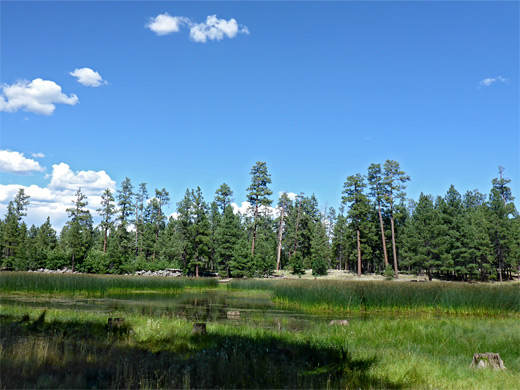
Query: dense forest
x,y
375,230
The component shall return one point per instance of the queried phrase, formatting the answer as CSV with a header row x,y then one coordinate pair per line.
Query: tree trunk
x,y
73,261
197,271
358,255
280,234
393,247
105,242
254,231
383,236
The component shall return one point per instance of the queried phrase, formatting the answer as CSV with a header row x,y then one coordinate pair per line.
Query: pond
x,y
203,306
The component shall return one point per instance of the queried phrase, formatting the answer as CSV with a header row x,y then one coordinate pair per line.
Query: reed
x,y
94,285
394,296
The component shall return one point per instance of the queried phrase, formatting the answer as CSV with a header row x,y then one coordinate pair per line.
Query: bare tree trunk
x,y
358,255
254,230
393,247
280,234
383,236
197,271
73,261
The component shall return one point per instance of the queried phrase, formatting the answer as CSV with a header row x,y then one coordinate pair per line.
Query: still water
x,y
204,306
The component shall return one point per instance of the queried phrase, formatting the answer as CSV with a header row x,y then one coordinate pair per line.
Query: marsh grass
x,y
94,285
162,353
445,297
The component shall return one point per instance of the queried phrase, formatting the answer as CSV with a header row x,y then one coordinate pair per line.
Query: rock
x,y
339,322
488,360
199,328
233,315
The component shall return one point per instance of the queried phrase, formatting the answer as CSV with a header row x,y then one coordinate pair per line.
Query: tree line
x,y
375,230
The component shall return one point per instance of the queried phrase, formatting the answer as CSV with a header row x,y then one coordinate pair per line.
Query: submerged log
x,y
199,328
488,360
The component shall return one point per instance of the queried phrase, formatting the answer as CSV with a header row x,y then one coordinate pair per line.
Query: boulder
x,y
233,315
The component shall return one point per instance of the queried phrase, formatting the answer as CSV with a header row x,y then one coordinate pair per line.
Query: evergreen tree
x,y
376,187
79,228
394,185
283,203
358,209
258,194
227,236
223,196
13,233
123,246
107,212
320,250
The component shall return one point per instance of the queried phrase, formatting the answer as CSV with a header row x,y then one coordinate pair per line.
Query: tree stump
x,y
488,360
199,328
339,322
233,315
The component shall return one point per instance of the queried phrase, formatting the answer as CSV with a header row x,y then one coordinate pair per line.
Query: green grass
x,y
94,285
446,297
160,352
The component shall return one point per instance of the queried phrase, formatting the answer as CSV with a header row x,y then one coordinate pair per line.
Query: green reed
x,y
98,285
384,295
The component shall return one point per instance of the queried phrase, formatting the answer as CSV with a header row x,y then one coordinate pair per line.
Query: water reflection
x,y
200,306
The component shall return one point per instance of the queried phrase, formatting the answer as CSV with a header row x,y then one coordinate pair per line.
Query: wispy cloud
x,y
491,80
213,29
37,155
37,96
88,77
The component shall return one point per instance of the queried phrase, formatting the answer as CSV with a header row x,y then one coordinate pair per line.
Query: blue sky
x,y
318,90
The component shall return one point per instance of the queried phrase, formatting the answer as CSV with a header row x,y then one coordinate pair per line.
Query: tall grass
x,y
358,295
94,285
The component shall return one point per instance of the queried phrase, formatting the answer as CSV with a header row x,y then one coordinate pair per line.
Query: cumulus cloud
x,y
17,163
37,96
212,29
490,80
216,29
165,24
290,195
54,199
88,77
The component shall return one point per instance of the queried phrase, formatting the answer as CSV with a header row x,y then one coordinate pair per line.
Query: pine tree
x,y
394,185
79,228
359,208
376,186
227,236
223,196
320,250
258,194
283,203
107,212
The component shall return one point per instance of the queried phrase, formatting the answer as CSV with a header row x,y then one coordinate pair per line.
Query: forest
x,y
376,229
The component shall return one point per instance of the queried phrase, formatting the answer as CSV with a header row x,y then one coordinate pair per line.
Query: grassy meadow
x,y
394,340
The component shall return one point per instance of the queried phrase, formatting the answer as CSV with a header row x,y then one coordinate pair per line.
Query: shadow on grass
x,y
61,354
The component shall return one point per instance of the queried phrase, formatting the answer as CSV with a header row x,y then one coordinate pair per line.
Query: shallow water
x,y
206,306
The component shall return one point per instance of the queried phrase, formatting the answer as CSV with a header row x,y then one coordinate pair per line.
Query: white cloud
x,y
216,29
290,195
88,77
37,96
53,200
246,209
37,155
17,163
490,80
165,24
212,29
